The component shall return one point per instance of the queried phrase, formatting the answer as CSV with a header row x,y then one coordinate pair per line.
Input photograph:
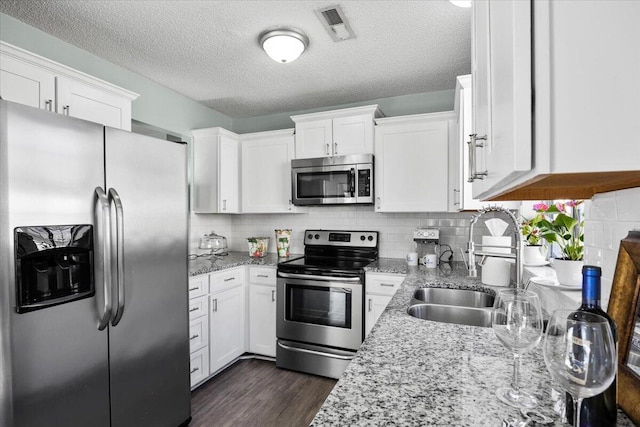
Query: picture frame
x,y
624,308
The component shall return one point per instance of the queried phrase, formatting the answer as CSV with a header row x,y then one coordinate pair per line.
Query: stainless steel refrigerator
x,y
93,274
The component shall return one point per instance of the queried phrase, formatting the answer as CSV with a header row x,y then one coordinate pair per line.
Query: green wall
x,y
156,105
163,108
397,106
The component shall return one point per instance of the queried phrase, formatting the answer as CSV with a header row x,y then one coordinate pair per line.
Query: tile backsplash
x,y
608,219
396,229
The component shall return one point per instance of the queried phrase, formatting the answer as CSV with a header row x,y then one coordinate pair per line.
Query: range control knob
x,y
362,237
317,236
370,238
310,236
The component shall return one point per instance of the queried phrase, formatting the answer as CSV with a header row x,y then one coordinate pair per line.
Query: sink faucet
x,y
517,254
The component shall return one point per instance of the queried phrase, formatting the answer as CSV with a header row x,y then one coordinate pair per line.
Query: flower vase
x,y
532,255
568,272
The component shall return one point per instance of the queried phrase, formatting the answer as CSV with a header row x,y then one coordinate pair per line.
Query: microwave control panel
x,y
364,183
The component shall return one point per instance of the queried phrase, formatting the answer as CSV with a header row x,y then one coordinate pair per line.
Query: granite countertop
x,y
416,372
202,265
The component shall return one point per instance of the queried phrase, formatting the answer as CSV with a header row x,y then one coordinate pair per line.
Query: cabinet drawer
x,y
383,284
198,286
198,307
262,275
198,333
227,279
199,366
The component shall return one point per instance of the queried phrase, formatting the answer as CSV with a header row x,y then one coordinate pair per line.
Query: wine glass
x,y
517,322
580,354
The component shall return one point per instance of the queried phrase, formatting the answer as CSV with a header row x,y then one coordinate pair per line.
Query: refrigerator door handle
x,y
114,198
103,237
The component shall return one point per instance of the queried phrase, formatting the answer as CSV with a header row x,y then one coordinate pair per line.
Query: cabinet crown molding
x,y
214,131
374,110
63,70
266,134
415,118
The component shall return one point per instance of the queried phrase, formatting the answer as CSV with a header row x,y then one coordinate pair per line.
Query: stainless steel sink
x,y
457,297
452,314
459,306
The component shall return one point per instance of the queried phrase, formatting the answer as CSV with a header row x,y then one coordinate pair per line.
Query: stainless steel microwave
x,y
332,180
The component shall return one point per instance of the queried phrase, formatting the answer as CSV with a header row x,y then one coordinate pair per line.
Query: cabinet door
x,y
383,284
314,139
228,175
26,84
198,333
375,305
198,286
84,101
353,135
412,166
266,174
199,366
262,324
502,91
226,328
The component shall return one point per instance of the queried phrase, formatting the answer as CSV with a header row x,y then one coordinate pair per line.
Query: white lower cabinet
x,y
199,328
380,288
199,366
227,303
262,306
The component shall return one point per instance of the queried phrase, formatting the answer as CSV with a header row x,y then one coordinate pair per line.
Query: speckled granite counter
x,y
412,372
202,265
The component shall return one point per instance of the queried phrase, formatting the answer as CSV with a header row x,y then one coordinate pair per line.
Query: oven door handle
x,y
314,352
315,277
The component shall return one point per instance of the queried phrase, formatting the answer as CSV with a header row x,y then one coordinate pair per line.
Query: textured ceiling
x,y
208,50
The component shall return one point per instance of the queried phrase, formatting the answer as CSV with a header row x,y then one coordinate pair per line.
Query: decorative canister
x,y
283,238
258,246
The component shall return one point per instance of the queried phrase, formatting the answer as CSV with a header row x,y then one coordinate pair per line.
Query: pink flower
x,y
572,203
560,207
540,207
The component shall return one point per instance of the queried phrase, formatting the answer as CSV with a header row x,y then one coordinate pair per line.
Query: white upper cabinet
x,y
32,80
266,171
581,135
501,86
335,133
460,197
411,162
216,165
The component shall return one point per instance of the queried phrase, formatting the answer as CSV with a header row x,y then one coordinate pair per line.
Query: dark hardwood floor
x,y
254,392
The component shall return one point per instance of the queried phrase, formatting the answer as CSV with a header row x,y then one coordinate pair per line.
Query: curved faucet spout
x,y
471,265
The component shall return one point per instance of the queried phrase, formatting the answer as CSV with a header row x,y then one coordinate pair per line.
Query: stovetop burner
x,y
334,252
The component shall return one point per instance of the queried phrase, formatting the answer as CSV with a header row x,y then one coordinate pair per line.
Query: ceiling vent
x,y
335,22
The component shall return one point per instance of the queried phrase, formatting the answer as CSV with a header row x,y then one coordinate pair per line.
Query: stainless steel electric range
x,y
320,301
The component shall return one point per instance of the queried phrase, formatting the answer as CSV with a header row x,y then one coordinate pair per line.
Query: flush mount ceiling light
x,y
283,44
461,3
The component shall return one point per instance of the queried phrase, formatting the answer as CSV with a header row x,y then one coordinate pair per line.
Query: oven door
x,y
320,310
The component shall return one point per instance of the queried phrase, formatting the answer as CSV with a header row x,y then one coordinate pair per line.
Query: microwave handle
x,y
352,188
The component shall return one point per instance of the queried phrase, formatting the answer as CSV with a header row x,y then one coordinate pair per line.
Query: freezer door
x,y
149,346
53,360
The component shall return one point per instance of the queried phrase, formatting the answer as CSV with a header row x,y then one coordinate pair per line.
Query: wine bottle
x,y
600,410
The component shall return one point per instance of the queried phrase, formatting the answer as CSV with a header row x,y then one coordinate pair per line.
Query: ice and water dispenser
x,y
54,265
